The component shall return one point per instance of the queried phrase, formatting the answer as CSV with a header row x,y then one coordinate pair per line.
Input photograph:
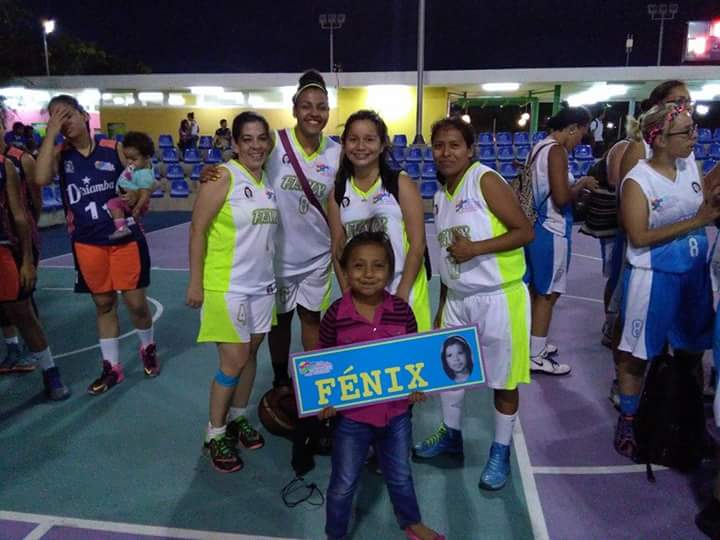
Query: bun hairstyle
x,y
653,122
569,116
310,79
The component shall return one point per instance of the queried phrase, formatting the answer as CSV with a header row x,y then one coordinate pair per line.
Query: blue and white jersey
x,y
670,202
87,184
553,218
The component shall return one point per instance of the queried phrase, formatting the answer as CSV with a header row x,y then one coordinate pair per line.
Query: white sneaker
x,y
544,364
550,349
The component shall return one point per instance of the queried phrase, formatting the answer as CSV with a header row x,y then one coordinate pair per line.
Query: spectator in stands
x,y
184,136
223,137
194,129
16,137
597,127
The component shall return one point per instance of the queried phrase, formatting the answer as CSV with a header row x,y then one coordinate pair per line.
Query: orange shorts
x,y
10,283
101,269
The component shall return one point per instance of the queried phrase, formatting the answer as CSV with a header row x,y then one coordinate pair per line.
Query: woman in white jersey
x,y
667,297
368,195
302,258
548,256
232,242
481,231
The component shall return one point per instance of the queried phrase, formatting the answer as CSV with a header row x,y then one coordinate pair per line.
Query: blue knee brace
x,y
226,380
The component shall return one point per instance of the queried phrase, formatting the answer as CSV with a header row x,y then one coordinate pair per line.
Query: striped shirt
x,y
343,325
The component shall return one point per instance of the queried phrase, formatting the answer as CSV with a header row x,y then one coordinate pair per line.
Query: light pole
x,y
332,22
628,48
662,13
48,28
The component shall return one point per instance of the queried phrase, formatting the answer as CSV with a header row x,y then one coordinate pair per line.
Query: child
x,y
457,359
137,176
367,312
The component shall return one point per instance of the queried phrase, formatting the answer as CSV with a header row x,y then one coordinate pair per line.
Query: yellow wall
x,y
396,105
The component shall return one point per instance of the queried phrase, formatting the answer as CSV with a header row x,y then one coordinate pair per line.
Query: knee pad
x,y
225,380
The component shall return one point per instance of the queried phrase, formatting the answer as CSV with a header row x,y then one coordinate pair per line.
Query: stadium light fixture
x,y
466,118
702,109
331,22
48,28
662,13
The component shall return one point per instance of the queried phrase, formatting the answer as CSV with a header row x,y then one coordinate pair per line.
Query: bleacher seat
x,y
503,138
486,153
99,136
50,201
192,156
708,164
716,135
170,155
165,141
427,154
120,137
538,136
574,168
522,152
583,152
704,136
413,169
394,164
196,170
428,189
713,151
398,153
505,153
485,138
213,156
700,151
508,171
399,140
414,153
429,171
158,193
205,142
521,138
179,189
585,166
175,172
489,163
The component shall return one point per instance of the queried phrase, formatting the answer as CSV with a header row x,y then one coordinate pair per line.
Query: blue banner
x,y
384,370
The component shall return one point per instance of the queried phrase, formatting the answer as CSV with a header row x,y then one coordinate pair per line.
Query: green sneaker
x,y
241,430
223,454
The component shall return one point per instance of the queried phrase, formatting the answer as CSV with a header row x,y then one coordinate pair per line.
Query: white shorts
x,y
504,322
228,317
310,290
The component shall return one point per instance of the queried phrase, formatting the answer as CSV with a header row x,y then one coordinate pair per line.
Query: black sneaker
x,y
708,519
241,430
55,390
223,454
110,376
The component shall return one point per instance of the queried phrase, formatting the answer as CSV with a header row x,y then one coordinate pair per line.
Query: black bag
x,y
670,422
601,216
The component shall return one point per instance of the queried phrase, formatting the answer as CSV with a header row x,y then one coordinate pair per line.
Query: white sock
x,y
146,336
504,424
213,432
44,359
236,412
452,401
537,345
110,350
12,340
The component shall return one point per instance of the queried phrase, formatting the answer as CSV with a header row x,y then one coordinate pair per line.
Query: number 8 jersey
x,y
87,184
670,202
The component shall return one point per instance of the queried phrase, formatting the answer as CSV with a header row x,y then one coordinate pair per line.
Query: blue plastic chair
x,y
583,152
196,170
700,151
486,153
522,152
175,172
585,167
170,155
521,138
156,173
429,171
708,164
179,189
506,153
704,136
428,189
489,163
120,137
99,136
427,154
213,156
205,142
399,140
49,201
158,193
574,168
398,153
191,156
716,135
485,138
508,171
713,151
415,154
503,138
413,169
165,141
539,136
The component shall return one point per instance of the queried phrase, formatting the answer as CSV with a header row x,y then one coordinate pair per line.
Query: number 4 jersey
x,y
670,202
87,184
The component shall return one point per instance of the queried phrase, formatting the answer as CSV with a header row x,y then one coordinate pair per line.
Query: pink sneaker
x,y
151,365
412,536
110,376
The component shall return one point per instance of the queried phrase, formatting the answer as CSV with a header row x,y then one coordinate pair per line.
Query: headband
x,y
676,110
309,85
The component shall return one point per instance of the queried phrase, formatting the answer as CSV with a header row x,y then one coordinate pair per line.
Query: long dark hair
x,y
388,177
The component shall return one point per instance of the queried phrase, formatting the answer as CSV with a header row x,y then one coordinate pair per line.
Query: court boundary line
x,y
47,522
590,469
527,477
582,256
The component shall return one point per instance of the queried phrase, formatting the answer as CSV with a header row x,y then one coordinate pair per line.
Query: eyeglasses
x,y
683,103
689,132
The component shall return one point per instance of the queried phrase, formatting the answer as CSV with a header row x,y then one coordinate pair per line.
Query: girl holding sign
x,y
481,231
369,195
367,312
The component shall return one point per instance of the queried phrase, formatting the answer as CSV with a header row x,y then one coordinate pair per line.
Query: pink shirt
x,y
343,325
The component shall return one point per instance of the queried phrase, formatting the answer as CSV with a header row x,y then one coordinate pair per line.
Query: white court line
x,y
128,528
585,256
38,532
158,313
537,517
610,469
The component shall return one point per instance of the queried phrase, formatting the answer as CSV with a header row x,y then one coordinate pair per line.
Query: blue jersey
x,y
87,184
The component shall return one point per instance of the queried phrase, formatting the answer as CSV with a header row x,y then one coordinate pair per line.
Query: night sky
x,y
379,35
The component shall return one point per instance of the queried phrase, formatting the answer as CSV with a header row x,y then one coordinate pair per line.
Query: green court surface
x,y
134,455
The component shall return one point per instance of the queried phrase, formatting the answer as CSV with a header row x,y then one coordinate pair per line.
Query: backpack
x,y
523,186
670,422
393,187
